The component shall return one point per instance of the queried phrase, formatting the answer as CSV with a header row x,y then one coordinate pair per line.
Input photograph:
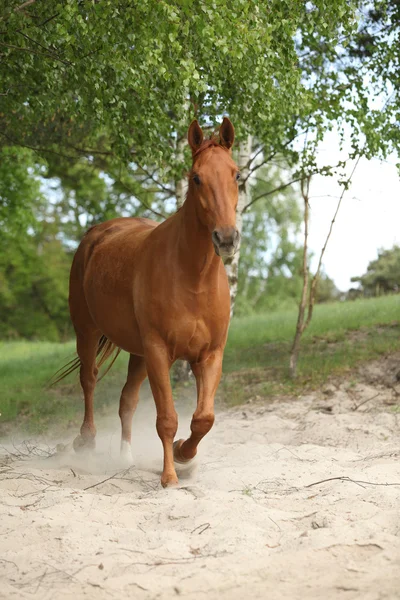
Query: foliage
x,y
20,194
383,274
104,92
106,78
326,290
269,267
83,194
34,288
372,70
33,263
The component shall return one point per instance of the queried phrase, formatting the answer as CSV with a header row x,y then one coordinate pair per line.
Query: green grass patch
x,y
331,320
341,336
25,370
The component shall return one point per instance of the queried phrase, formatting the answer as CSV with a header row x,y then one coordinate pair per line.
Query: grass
x,y
341,336
25,369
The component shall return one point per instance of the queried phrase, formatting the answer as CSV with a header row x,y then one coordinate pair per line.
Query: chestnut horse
x,y
160,292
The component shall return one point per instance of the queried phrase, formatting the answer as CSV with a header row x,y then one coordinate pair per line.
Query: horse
x,y
159,291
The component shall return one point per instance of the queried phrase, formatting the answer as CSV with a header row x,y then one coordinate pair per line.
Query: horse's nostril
x,y
216,238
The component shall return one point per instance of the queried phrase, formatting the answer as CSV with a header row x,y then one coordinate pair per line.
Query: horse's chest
x,y
192,338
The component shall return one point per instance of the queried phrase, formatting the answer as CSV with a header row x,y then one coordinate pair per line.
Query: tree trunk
x,y
181,371
232,264
294,353
181,184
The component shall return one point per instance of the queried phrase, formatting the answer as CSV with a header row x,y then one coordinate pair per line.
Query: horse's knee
x,y
202,423
88,378
167,425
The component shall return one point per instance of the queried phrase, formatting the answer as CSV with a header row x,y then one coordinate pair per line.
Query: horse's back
x,y
112,240
102,274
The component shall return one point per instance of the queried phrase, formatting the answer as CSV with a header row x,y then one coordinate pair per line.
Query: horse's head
x,y
213,181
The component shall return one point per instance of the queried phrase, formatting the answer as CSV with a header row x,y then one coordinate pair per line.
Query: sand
x,y
297,499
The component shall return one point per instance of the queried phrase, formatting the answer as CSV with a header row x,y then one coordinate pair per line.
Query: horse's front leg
x,y
208,375
158,365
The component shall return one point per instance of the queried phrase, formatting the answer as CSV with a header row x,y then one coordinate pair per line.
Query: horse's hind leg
x,y
87,346
128,403
208,375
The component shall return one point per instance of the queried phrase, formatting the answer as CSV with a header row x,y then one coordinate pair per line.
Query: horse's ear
x,y
226,133
195,136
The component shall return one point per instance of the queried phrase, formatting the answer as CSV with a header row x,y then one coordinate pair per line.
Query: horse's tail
x,y
105,349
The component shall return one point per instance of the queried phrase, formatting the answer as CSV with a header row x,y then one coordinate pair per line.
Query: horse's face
x,y
213,181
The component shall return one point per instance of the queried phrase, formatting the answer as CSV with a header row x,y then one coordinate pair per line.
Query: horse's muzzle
x,y
226,241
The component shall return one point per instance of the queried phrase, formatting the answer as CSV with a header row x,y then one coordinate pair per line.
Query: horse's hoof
x,y
63,448
126,454
169,481
81,444
178,458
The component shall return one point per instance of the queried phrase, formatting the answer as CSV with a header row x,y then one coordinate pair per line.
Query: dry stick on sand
x,y
301,324
357,406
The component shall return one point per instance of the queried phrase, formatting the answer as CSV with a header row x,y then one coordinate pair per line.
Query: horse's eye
x,y
237,176
196,179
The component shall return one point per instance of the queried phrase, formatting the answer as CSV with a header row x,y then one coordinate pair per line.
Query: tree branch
x,y
274,191
314,282
158,183
32,51
24,5
305,188
48,50
271,156
135,195
36,149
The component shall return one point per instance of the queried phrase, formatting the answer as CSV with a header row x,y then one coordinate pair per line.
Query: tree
x,y
77,69
20,194
269,272
34,289
372,68
115,85
33,263
104,79
383,274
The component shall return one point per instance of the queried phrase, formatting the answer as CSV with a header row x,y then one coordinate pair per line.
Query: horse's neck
x,y
195,249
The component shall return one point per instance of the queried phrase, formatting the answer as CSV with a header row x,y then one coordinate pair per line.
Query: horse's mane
x,y
213,141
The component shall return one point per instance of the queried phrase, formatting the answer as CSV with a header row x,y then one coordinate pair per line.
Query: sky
x,y
368,219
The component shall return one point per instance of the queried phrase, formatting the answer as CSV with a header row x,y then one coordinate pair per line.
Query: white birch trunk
x,y
232,264
182,183
181,371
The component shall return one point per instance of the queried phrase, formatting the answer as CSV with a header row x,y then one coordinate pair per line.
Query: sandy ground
x,y
296,499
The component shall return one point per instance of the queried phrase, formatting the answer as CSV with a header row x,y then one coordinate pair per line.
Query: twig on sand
x,y
365,401
294,489
28,449
11,562
139,586
203,527
345,478
49,571
121,476
115,476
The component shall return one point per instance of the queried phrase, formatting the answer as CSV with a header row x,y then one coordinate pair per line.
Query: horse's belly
x,y
114,315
